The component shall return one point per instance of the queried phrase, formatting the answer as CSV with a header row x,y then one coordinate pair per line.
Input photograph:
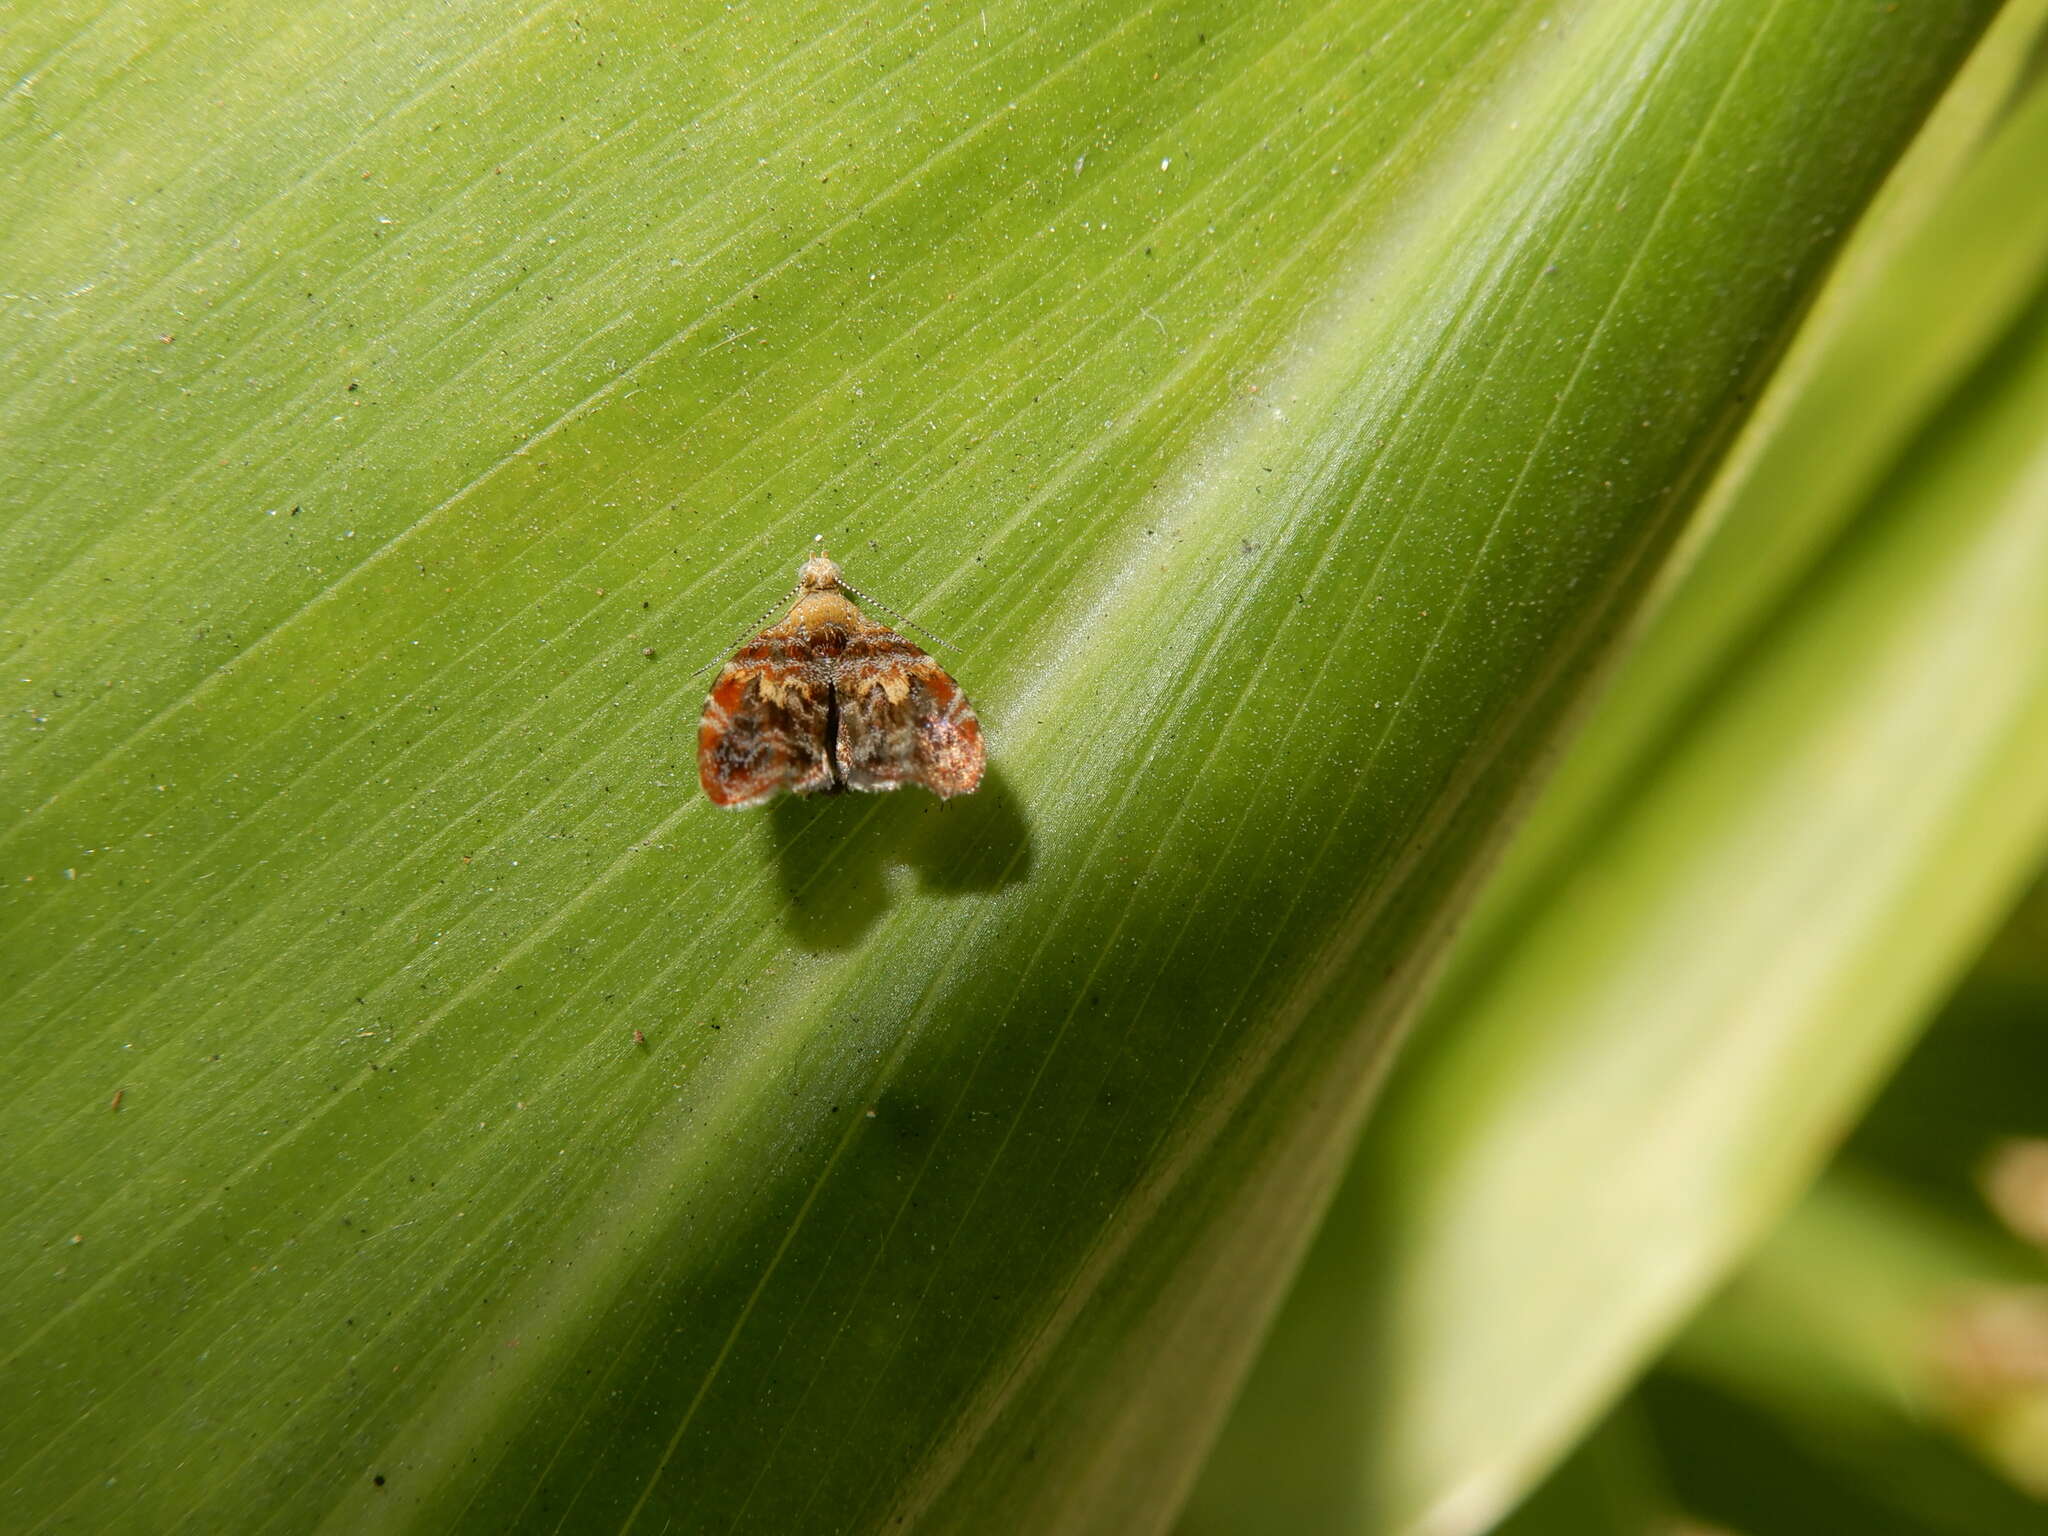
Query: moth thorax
x,y
828,640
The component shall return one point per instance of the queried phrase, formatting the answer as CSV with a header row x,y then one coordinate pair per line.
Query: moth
x,y
828,700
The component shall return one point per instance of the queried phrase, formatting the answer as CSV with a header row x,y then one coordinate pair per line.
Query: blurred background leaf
x,y
1815,785
1285,407
1877,1365
1892,1335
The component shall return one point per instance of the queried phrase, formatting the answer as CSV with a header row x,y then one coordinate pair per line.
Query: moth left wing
x,y
765,727
902,720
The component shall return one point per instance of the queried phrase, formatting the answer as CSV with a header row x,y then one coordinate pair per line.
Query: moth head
x,y
820,573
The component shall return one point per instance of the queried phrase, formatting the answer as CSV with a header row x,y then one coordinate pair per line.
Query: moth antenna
x,y
901,619
746,634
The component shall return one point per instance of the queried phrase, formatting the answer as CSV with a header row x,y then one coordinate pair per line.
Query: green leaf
x,y
1895,1319
1764,1474
1874,1364
1611,1486
1814,788
1872,1320
1283,407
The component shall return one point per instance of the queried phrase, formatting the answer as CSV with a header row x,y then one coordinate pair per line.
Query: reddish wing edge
x,y
763,731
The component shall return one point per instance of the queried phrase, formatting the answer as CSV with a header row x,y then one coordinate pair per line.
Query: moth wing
x,y
902,720
764,729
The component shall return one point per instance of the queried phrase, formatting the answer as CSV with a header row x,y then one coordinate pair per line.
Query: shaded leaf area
x,y
1613,1484
1780,842
1762,1475
1877,1337
1940,1126
1874,1366
1683,1454
1282,406
1892,1328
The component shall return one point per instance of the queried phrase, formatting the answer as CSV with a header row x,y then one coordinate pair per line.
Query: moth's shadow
x,y
833,853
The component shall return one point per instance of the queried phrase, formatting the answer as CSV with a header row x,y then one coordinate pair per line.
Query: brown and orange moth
x,y
827,700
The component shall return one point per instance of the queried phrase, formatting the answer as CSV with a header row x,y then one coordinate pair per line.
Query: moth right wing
x,y
902,720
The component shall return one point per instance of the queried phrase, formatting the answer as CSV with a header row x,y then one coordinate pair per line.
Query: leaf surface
x,y
1282,406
